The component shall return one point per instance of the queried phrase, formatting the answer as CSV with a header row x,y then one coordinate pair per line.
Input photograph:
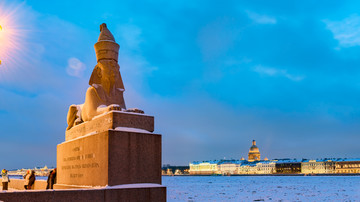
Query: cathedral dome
x,y
254,148
254,153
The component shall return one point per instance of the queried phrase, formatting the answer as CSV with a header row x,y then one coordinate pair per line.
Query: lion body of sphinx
x,y
99,103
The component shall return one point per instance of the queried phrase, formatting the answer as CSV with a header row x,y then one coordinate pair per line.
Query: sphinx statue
x,y
106,86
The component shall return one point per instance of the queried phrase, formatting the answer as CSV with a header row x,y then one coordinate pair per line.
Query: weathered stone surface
x,y
110,158
134,158
111,120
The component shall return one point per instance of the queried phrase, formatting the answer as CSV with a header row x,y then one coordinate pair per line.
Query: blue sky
x,y
215,75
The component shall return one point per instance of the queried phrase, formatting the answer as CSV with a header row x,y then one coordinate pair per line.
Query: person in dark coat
x,y
31,179
51,179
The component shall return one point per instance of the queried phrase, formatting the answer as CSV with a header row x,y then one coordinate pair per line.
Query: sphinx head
x,y
104,75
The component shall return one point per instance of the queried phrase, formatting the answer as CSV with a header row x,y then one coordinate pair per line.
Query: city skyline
x,y
246,157
215,76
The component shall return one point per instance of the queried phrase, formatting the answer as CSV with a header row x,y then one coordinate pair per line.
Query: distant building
x,y
177,170
288,166
265,167
247,169
347,166
169,172
322,166
228,167
254,153
204,168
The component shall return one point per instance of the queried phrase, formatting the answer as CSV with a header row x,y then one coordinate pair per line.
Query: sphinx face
x,y
107,79
106,74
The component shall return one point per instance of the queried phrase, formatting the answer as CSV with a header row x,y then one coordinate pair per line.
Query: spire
x,y
254,142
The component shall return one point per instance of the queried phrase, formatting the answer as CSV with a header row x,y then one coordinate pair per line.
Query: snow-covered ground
x,y
262,188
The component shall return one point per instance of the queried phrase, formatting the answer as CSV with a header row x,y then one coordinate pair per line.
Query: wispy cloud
x,y
261,19
75,67
277,72
346,31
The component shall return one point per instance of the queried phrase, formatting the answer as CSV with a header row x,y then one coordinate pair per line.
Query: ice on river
x,y
262,188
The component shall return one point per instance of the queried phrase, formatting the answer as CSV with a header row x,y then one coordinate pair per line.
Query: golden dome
x,y
254,148
254,153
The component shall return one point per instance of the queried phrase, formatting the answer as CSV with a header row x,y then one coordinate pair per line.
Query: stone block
x,y
110,158
111,120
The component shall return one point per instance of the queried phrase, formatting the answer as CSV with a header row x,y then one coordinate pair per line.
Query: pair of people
x,y
5,179
29,179
51,179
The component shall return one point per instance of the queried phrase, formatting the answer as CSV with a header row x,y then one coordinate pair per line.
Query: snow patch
x,y
129,186
135,130
87,135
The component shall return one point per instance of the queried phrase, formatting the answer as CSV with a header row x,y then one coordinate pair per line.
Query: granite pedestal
x,y
115,156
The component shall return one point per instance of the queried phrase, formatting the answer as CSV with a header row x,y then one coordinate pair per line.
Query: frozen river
x,y
262,188
259,188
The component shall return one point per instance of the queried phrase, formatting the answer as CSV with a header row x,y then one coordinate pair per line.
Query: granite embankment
x,y
19,184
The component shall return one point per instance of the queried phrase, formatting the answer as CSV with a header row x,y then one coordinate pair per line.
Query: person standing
x,y
51,179
31,179
5,179
26,177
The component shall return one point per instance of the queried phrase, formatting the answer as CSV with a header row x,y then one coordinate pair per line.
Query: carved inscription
x,y
79,157
76,162
76,175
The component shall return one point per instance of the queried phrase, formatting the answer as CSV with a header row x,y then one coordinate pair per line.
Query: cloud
x,y
277,72
346,31
75,67
261,19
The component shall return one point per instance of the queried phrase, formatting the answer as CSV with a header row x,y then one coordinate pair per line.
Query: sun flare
x,y
12,36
